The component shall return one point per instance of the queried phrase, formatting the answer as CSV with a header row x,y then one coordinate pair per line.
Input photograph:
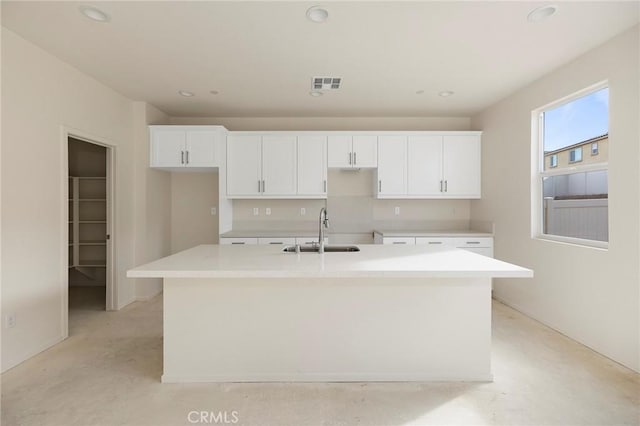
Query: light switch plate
x,y
397,211
256,211
267,211
303,211
214,211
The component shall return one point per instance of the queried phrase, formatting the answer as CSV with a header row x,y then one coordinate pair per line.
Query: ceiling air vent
x,y
326,83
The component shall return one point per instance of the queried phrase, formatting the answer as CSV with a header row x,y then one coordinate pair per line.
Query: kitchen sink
x,y
315,249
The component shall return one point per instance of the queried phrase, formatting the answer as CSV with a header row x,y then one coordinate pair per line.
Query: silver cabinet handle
x,y
259,190
435,242
263,187
350,154
187,157
446,185
473,242
355,158
441,186
276,242
399,242
181,157
237,242
325,185
380,186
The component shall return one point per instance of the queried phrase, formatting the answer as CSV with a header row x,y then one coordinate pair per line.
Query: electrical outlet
x,y
214,211
10,320
267,211
303,211
256,211
397,211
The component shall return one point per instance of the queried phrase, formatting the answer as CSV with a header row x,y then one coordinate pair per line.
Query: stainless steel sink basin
x,y
315,249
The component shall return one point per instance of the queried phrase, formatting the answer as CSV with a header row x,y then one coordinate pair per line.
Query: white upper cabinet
x,y
435,166
424,165
352,151
461,166
184,147
392,165
312,165
262,166
244,171
279,165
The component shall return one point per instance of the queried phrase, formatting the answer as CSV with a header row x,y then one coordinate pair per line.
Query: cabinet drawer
x,y
240,241
307,241
436,242
474,242
485,251
277,241
399,240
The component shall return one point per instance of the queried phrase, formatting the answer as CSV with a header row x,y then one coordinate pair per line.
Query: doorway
x,y
89,231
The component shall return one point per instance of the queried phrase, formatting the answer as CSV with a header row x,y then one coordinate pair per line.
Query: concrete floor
x,y
108,373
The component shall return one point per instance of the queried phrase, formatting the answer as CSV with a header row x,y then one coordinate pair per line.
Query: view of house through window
x,y
575,147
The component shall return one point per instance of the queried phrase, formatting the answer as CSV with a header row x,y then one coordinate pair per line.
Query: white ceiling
x,y
261,56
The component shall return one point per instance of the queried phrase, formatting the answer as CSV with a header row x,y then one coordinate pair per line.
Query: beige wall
x,y
39,94
591,295
152,201
193,195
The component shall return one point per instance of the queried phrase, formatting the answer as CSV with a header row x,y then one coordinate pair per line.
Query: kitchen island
x,y
385,313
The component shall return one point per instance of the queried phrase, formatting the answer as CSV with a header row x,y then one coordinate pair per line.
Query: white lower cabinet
x,y
480,245
238,241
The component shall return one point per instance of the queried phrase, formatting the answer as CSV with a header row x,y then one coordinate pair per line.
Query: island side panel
x,y
345,329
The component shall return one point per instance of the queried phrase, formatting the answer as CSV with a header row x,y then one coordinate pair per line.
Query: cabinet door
x,y
392,172
462,166
201,148
339,151
424,165
167,148
365,151
243,166
312,165
279,165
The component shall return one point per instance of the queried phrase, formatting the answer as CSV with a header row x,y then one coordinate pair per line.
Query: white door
x,y
365,151
339,151
201,148
279,165
312,165
167,148
243,166
424,165
461,166
392,159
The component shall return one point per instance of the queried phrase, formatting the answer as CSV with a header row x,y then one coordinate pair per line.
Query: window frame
x,y
576,149
551,162
597,149
538,172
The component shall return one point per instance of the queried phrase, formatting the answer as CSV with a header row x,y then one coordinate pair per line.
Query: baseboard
x,y
322,378
31,354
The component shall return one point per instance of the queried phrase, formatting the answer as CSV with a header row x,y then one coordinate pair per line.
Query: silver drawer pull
x,y
473,242
399,242
435,242
237,242
276,242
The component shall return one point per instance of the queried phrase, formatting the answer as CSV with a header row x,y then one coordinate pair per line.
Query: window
x,y
575,155
571,196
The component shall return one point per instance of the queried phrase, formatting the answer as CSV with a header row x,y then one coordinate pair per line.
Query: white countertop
x,y
256,261
435,234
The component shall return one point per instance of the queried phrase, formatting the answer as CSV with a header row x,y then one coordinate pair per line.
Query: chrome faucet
x,y
323,222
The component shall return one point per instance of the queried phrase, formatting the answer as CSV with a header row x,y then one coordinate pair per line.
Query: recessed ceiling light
x,y
94,14
317,14
420,92
186,93
315,94
446,93
214,92
541,13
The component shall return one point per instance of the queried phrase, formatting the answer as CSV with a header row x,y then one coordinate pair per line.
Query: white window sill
x,y
578,242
